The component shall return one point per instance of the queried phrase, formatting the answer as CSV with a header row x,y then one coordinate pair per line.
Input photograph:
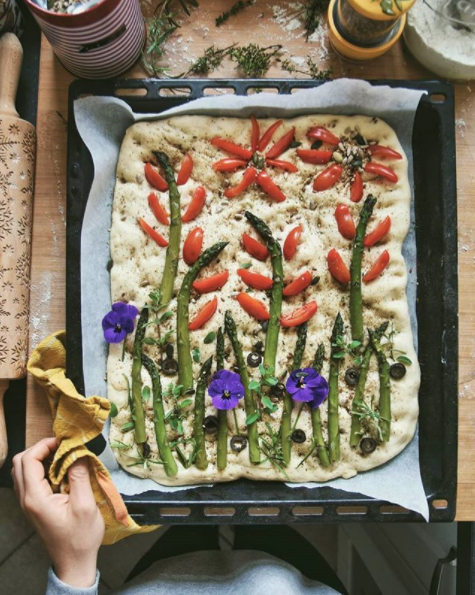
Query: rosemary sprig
x,y
312,70
311,14
271,448
253,60
210,60
235,9
369,417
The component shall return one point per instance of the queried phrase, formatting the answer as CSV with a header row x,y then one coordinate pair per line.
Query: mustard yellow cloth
x,y
76,421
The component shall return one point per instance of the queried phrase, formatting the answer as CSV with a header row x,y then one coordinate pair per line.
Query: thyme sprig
x,y
211,60
253,60
370,418
271,447
396,355
260,388
311,14
176,414
235,9
312,70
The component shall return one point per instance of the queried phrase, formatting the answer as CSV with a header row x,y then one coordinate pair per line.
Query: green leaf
x,y
146,393
246,265
166,315
150,341
179,428
196,355
404,360
272,380
254,385
210,337
127,427
269,405
338,355
354,344
358,360
114,411
185,403
250,419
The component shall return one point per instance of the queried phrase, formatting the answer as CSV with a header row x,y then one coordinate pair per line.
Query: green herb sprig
x,y
313,71
253,60
235,9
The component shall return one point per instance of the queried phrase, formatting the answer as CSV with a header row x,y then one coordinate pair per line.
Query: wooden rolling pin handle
x,y
3,429
11,54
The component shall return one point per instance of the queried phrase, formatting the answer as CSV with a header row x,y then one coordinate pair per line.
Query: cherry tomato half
x,y
314,156
160,214
291,242
192,246
229,164
185,170
381,170
378,267
196,205
323,134
255,280
281,145
280,164
383,152
153,233
154,178
298,284
344,220
212,283
254,248
230,147
327,178
247,179
378,233
299,316
337,267
253,307
270,187
356,188
267,136
255,134
204,315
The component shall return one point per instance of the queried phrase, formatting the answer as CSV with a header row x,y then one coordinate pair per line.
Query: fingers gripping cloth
x,y
76,421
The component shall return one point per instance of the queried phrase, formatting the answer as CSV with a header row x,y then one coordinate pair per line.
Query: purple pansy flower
x,y
226,389
307,386
119,322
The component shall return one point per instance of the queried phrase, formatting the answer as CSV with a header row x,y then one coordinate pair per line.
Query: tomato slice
x,y
254,248
280,164
229,164
154,178
383,152
212,283
344,220
230,147
192,246
381,170
337,267
255,134
253,307
281,145
323,134
356,188
255,280
291,242
204,315
267,136
378,267
378,233
299,316
270,187
247,179
298,284
160,214
196,205
153,233
185,170
314,156
327,178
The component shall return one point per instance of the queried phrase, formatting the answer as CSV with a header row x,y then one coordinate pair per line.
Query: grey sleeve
x,y
57,587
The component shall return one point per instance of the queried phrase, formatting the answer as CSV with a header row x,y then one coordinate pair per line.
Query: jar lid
x,y
381,10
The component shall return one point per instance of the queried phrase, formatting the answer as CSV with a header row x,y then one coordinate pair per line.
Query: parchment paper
x,y
102,122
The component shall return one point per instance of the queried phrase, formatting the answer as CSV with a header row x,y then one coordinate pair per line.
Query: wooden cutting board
x,y
17,166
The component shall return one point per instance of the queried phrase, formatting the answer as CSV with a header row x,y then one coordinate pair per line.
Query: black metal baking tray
x,y
244,501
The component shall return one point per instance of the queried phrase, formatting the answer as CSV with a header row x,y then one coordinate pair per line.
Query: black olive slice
x,y
368,445
169,350
264,325
210,424
351,376
258,347
169,366
360,139
238,443
254,359
317,144
397,371
298,436
278,390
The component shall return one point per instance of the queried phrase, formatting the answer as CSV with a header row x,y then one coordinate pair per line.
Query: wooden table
x,y
197,33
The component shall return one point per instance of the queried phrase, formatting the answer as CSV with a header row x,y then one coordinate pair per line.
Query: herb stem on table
x,y
164,449
333,395
249,404
235,9
222,413
138,414
185,364
201,460
356,300
316,416
253,60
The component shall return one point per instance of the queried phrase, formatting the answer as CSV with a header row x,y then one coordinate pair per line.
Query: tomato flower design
x,y
256,160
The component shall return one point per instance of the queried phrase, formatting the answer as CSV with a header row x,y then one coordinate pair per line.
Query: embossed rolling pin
x,y
17,167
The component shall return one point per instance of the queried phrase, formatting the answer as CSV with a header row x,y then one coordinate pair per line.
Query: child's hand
x,y
70,525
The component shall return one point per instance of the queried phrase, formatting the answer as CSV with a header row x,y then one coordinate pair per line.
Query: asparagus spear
x,y
333,421
272,335
173,248
250,406
164,449
384,387
316,417
358,399
138,414
222,414
185,366
201,460
356,303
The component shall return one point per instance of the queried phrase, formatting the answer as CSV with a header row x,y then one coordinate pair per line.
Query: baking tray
x,y
246,501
